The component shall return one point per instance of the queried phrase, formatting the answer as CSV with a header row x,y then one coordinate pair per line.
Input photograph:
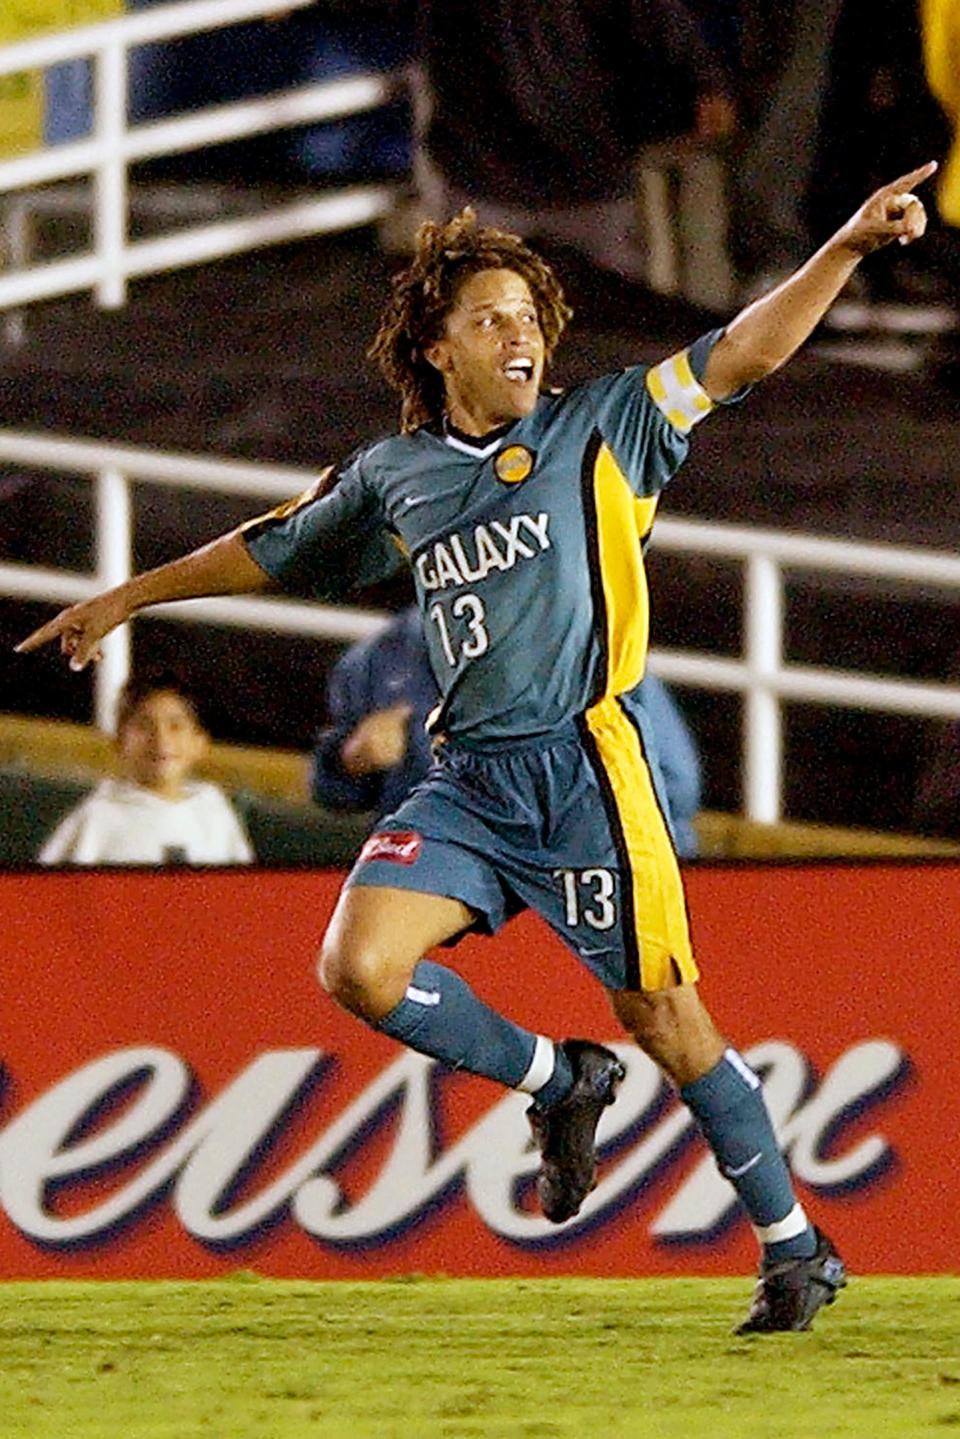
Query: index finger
x,y
42,636
915,177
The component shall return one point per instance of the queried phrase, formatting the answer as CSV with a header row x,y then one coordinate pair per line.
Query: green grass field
x,y
452,1359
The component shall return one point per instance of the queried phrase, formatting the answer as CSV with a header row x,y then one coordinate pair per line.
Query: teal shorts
x,y
571,827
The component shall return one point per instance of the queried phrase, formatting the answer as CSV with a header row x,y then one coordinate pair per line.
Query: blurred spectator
x,y
535,113
379,696
784,76
154,812
879,101
377,748
353,37
675,759
940,21
941,52
810,73
272,53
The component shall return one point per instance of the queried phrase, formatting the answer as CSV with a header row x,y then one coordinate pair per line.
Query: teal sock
x,y
729,1106
441,1016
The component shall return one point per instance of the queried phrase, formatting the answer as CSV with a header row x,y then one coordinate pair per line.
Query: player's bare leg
x,y
800,1270
673,1027
376,938
372,964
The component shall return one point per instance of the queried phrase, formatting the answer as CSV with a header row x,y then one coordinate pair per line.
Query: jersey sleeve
x,y
329,541
646,415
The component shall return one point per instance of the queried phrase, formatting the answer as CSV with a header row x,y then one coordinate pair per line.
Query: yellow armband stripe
x,y
676,392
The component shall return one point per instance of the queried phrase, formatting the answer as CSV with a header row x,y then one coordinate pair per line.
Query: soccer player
x,y
524,513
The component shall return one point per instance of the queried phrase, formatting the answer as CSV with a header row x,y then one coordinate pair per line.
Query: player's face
x,y
160,743
491,355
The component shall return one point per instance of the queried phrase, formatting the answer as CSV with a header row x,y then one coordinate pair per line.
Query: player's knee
x,y
361,977
342,971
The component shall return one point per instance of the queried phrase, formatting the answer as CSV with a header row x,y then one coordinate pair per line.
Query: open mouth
x,y
519,372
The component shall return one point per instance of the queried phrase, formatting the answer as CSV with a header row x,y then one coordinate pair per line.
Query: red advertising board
x,y
178,1097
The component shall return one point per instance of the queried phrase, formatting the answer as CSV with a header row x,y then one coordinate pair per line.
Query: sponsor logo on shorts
x,y
398,848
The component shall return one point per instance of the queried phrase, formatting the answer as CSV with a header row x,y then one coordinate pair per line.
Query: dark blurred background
x,y
263,357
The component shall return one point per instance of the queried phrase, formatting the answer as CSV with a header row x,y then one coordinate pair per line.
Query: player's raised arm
x,y
764,335
223,567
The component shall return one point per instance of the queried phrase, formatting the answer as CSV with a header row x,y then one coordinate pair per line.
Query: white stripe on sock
x,y
795,1223
742,1067
742,1169
541,1066
423,996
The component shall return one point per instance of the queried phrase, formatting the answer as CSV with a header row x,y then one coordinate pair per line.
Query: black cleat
x,y
565,1131
790,1291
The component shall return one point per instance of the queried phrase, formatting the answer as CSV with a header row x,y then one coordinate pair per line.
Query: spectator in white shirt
x,y
154,812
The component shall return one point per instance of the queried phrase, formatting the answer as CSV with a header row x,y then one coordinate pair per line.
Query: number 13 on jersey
x,y
469,615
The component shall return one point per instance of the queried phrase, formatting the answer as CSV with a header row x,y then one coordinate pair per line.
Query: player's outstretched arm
x,y
223,567
764,335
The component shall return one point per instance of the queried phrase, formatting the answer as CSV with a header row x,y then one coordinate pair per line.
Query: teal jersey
x,y
526,545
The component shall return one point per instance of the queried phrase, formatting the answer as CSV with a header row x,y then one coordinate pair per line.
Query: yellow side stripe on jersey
x,y
677,393
622,576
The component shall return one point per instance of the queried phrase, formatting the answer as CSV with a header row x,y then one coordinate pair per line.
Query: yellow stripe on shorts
x,y
659,910
677,393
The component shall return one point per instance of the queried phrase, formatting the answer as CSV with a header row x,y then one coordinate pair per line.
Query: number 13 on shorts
x,y
588,896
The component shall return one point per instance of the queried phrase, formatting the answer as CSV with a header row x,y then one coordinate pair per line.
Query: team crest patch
x,y
399,848
513,464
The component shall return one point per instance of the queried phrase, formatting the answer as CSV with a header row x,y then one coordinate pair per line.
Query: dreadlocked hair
x,y
424,293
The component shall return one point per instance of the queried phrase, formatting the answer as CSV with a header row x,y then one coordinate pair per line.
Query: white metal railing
x,y
115,144
762,674
114,468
